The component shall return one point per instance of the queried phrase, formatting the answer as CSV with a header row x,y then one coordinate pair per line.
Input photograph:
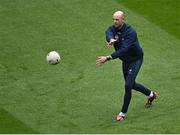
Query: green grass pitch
x,y
76,96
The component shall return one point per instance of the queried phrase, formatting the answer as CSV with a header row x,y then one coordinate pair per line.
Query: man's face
x,y
118,20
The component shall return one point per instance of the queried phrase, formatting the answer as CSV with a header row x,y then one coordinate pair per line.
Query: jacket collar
x,y
121,28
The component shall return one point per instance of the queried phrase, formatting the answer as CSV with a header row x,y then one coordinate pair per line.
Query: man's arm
x,y
109,34
127,42
110,37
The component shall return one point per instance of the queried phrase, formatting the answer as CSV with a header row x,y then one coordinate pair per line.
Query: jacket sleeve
x,y
126,43
109,34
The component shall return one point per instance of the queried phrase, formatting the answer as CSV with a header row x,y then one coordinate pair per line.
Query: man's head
x,y
118,19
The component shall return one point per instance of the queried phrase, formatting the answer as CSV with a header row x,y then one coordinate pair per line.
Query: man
x,y
124,39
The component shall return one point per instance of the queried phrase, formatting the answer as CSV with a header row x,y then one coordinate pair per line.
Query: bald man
x,y
125,42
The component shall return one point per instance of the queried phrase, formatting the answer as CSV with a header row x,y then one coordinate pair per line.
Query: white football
x,y
53,57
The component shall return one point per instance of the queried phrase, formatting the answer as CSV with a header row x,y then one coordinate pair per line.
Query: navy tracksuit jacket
x,y
127,49
127,46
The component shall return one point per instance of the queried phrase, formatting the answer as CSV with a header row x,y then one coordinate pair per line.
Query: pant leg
x,y
131,72
142,89
125,69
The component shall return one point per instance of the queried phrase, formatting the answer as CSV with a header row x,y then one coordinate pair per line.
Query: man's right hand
x,y
111,42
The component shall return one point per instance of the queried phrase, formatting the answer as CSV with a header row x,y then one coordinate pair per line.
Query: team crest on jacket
x,y
116,37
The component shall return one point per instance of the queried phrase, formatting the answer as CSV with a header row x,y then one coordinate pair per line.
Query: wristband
x,y
108,57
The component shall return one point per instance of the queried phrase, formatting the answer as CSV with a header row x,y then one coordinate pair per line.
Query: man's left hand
x,y
101,60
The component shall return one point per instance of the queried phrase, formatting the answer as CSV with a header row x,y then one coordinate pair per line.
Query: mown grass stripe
x,y
9,124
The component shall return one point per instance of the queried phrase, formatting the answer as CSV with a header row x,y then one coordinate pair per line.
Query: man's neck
x,y
120,27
